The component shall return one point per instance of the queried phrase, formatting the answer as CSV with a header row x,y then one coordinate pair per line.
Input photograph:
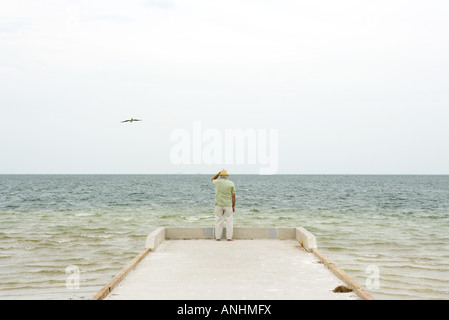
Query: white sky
x,y
356,87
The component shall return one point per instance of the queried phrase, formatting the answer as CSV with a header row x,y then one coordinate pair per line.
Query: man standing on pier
x,y
224,204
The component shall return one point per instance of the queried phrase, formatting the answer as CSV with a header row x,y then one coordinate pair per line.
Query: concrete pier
x,y
260,264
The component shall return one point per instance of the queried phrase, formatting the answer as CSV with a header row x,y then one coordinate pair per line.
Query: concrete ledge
x,y
240,233
361,293
155,238
306,239
247,233
180,233
103,293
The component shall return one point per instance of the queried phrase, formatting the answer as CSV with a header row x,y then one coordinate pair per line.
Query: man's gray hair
x,y
224,177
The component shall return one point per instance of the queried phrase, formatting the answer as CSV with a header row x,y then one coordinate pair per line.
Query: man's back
x,y
223,192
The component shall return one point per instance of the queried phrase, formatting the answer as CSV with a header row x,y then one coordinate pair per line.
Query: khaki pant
x,y
220,214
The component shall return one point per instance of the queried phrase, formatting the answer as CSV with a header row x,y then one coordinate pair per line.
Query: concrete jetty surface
x,y
260,264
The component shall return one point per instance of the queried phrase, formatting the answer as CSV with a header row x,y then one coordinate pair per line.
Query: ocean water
x,y
66,236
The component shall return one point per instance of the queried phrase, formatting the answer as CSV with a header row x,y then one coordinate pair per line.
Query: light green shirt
x,y
223,192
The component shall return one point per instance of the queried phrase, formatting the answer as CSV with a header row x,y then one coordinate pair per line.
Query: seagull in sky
x,y
131,120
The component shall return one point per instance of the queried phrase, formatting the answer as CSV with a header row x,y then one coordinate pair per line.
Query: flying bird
x,y
131,120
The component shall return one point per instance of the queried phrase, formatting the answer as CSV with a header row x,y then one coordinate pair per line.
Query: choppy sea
x,y
66,236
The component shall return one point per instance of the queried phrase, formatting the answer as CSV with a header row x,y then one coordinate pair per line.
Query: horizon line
x,y
252,174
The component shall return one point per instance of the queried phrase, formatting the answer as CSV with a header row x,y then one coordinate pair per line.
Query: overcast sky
x,y
350,87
